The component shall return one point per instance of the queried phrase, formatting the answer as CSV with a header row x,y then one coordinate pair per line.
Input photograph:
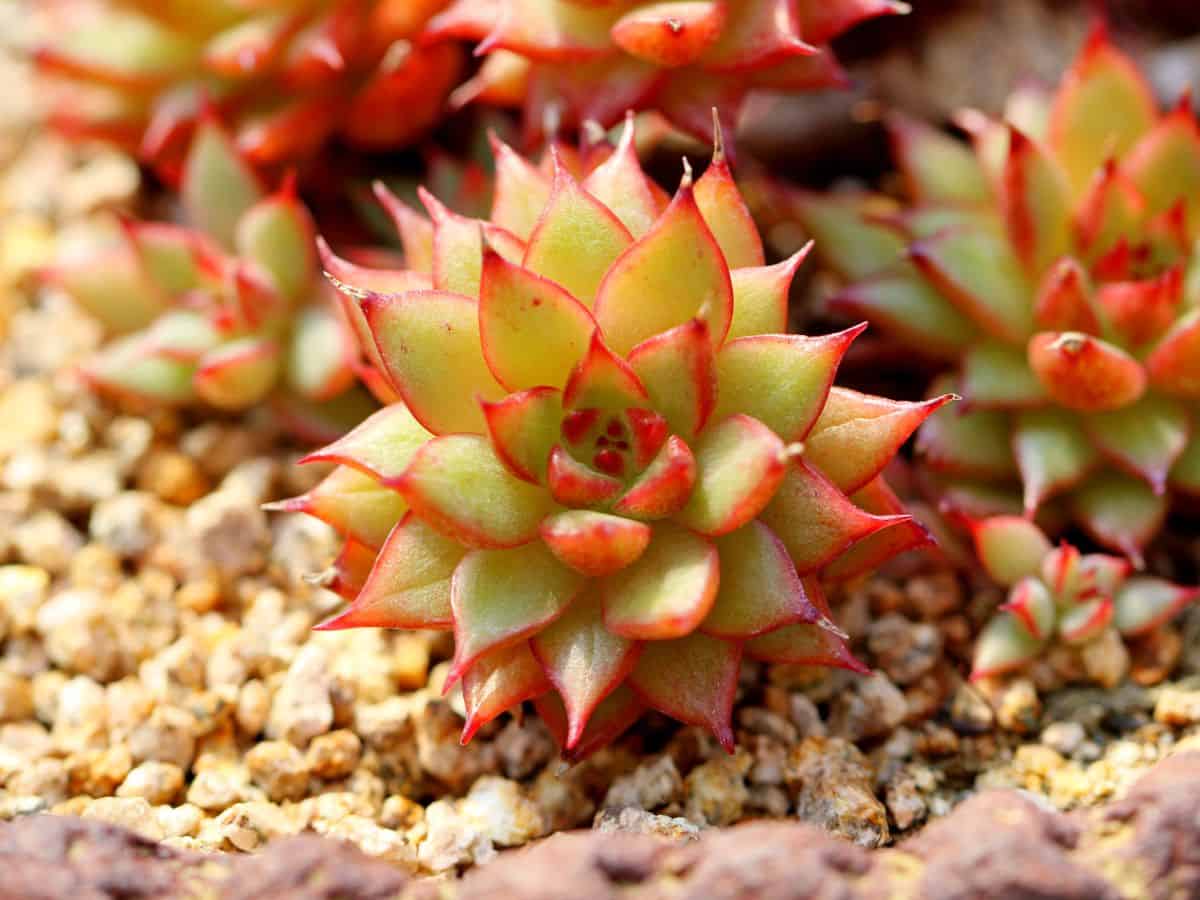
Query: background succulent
x,y
1052,263
286,74
1057,594
608,469
229,311
570,61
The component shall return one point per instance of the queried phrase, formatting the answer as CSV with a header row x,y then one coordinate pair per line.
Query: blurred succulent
x,y
228,312
608,470
1054,266
287,74
571,61
1057,594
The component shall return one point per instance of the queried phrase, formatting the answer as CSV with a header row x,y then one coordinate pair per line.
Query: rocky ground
x,y
158,672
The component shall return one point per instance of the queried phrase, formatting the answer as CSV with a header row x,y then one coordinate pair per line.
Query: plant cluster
x,y
229,312
286,75
609,470
1051,264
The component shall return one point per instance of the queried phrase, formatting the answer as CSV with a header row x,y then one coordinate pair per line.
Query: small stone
x,y
871,708
716,792
763,721
401,813
155,782
450,841
23,590
214,790
253,706
905,651
1177,707
199,595
905,801
1105,659
499,808
47,540
301,708
631,820
46,778
79,634
1064,737
133,813
804,714
172,476
81,715
651,785
179,821
98,773
1155,656
833,787
374,840
16,697
230,531
563,800
130,523
970,712
934,596
249,826
1018,708
279,769
440,752
334,755
169,735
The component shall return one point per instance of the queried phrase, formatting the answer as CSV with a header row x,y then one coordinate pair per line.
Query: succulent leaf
x,y
499,681
595,543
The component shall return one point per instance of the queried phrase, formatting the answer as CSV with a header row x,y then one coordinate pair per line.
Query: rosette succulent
x,y
1053,264
228,313
1057,594
609,471
286,74
570,61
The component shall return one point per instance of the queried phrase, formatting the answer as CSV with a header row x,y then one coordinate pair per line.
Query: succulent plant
x,y
287,74
570,61
230,312
1052,264
1057,594
608,470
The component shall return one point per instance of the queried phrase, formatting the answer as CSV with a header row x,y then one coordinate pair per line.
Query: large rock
x,y
997,845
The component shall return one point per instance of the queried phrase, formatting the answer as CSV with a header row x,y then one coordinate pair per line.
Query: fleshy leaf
x,y
613,715
1053,454
351,503
978,272
678,369
381,447
665,485
1185,476
1144,438
429,342
725,212
857,434
238,374
1165,163
1010,548
500,597
1036,201
902,302
740,463
348,572
782,380
572,483
520,193
416,231
760,590
1085,373
584,660
320,355
846,237
499,681
997,376
524,428
595,543
668,591
966,442
457,248
1031,602
672,33
621,185
1141,311
218,186
936,167
458,485
576,240
1064,299
533,332
128,367
1143,604
804,645
869,553
679,265
760,296
278,234
1084,622
409,583
603,380
1119,511
1102,107
1004,644
815,520
692,679
1174,365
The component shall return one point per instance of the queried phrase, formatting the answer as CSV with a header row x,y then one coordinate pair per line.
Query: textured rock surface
x,y
1000,844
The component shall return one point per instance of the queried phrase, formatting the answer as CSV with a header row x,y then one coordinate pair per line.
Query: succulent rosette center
x,y
609,470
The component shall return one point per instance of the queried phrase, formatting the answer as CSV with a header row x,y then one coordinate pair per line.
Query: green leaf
x,y
1053,454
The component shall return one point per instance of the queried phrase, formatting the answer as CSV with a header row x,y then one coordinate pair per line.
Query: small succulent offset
x,y
1060,594
286,74
1055,267
608,470
229,313
570,61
